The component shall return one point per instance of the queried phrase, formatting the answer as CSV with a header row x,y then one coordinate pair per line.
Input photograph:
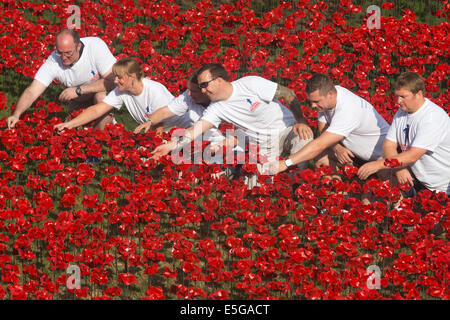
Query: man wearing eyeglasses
x,y
82,65
251,104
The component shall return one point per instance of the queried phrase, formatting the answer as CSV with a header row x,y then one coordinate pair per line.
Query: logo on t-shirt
x,y
147,110
94,75
406,131
253,106
405,146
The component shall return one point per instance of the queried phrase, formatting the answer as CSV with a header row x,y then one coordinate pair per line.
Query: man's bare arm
x,y
26,99
315,147
105,83
190,134
390,152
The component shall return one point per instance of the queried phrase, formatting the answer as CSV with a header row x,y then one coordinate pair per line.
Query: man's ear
x,y
330,94
420,93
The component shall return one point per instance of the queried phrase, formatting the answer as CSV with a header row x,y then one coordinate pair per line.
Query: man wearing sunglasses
x,y
82,65
251,104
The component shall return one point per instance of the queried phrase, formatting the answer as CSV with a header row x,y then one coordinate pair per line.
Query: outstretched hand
x,y
68,94
11,121
162,150
274,167
60,127
144,126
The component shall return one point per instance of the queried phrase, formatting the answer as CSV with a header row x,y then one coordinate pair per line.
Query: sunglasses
x,y
205,84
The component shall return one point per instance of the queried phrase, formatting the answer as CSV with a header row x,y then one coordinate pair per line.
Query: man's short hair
x,y
193,77
128,66
410,81
319,82
73,32
216,70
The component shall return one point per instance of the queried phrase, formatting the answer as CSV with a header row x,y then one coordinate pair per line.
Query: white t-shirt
x,y
191,112
94,62
363,128
427,128
251,109
154,96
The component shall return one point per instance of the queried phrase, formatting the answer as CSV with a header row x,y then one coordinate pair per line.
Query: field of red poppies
x,y
131,228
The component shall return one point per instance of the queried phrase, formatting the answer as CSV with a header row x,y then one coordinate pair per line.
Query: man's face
x,y
321,103
67,50
211,86
196,94
408,101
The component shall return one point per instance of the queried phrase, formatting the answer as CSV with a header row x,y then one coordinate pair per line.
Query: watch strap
x,y
288,162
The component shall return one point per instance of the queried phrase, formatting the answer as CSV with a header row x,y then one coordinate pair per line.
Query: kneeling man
x,y
351,130
421,130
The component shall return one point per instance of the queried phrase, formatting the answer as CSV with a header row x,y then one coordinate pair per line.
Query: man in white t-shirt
x,y
251,104
82,65
421,130
352,131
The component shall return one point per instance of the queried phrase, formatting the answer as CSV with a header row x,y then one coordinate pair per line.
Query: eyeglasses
x,y
66,54
205,84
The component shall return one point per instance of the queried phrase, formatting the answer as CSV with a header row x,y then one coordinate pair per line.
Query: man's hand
x,y
370,168
68,94
303,130
60,127
144,126
11,121
343,155
274,167
163,149
403,175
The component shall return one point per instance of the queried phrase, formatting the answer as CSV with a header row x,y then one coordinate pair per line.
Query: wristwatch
x,y
78,91
288,162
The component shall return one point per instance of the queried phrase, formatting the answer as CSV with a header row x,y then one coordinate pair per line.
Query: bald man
x,y
82,65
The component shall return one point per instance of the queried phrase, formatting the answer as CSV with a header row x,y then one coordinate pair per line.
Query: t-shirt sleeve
x,y
46,73
343,124
104,59
392,132
179,105
211,115
114,99
265,89
160,96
